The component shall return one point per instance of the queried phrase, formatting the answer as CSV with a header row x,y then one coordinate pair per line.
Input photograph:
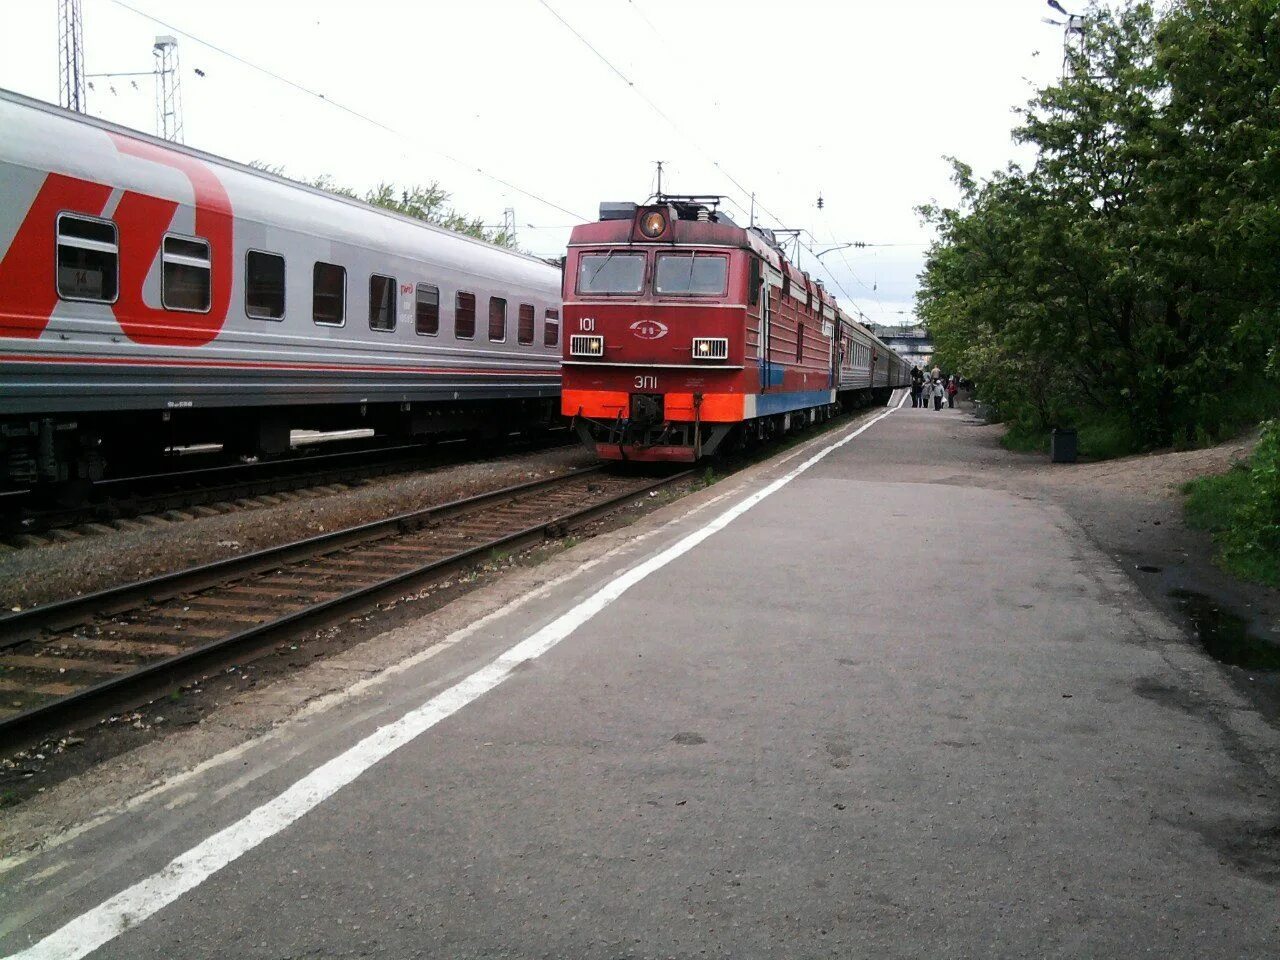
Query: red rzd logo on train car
x,y
28,282
649,329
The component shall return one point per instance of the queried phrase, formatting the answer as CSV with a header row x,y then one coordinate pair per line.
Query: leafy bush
x,y
1242,510
1099,436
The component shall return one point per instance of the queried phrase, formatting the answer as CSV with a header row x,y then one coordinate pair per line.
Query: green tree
x,y
429,203
1124,276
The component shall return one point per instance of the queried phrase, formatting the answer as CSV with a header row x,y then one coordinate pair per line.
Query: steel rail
x,y
143,494
44,717
22,626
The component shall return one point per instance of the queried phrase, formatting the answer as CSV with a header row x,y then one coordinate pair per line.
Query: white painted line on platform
x,y
337,698
131,906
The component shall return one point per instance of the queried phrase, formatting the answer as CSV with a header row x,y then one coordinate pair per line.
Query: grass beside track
x,y
1105,436
1097,439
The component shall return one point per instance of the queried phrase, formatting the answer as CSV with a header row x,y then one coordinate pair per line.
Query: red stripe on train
x,y
28,283
263,364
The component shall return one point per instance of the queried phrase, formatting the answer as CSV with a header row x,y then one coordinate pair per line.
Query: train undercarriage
x,y
63,454
646,437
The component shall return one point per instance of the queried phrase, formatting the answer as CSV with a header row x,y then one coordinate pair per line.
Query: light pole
x,y
1072,34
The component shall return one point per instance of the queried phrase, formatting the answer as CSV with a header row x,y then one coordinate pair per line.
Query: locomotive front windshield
x,y
611,273
690,273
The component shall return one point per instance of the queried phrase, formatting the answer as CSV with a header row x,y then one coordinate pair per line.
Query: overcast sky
x,y
859,100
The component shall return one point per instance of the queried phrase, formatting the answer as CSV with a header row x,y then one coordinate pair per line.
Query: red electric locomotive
x,y
685,329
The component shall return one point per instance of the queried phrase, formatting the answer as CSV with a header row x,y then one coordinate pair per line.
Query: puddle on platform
x,y
1225,636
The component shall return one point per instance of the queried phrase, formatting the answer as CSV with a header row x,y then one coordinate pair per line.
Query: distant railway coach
x,y
684,330
152,296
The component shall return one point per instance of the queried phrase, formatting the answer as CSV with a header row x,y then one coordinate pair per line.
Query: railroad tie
x,y
137,647
42,689
52,664
167,630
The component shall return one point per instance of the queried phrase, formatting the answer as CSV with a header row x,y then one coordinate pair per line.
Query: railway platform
x,y
861,700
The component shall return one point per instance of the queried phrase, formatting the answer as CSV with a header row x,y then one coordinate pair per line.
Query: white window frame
x,y
547,320
417,288
533,325
328,323
182,259
395,293
284,283
475,302
489,319
83,244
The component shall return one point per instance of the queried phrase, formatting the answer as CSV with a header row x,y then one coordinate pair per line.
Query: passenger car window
x,y
497,319
464,316
611,272
184,274
693,274
264,285
382,303
524,324
329,294
551,329
427,312
88,259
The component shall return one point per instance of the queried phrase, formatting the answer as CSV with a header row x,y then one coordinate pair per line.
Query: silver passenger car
x,y
153,295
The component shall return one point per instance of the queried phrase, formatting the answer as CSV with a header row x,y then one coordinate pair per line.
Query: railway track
x,y
182,494
70,661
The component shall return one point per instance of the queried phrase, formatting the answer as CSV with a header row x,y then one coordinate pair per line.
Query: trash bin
x,y
1063,446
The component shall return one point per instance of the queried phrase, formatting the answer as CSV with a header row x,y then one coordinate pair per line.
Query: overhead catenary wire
x,y
349,110
848,266
635,8
747,193
676,126
752,197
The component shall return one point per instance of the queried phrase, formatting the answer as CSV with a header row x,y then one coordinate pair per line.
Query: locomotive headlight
x,y
710,348
652,224
583,345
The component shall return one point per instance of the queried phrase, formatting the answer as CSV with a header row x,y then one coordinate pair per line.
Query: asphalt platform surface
x,y
878,714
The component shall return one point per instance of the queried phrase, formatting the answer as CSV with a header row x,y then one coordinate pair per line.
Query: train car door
x,y
766,321
834,344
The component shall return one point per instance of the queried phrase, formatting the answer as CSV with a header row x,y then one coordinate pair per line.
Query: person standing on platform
x,y
917,386
952,390
938,392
